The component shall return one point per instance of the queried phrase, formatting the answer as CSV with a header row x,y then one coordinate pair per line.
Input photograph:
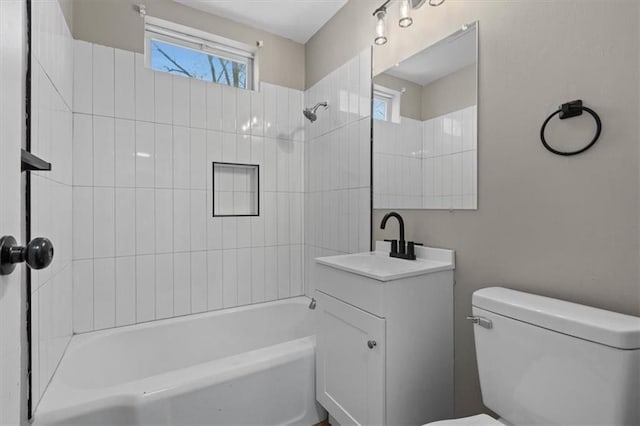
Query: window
x,y
181,50
386,104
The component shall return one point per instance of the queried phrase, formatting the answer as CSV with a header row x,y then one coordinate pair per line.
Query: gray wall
x,y
561,227
452,92
67,10
116,23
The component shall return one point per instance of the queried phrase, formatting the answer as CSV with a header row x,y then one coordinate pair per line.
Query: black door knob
x,y
38,254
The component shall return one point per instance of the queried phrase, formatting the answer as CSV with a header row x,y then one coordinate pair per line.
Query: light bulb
x,y
381,27
405,14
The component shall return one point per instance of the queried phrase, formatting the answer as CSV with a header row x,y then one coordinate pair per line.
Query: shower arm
x,y
325,104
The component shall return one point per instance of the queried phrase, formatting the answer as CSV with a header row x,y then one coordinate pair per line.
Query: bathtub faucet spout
x,y
312,304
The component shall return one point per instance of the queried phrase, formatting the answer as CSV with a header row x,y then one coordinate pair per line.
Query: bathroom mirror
x,y
424,122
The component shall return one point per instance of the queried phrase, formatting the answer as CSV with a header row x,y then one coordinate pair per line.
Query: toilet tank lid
x,y
585,322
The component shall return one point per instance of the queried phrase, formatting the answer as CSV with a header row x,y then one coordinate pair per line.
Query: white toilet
x,y
544,361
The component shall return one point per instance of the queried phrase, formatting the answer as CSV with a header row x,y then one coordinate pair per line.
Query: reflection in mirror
x,y
425,128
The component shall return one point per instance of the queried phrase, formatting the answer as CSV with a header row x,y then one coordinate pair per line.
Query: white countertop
x,y
379,266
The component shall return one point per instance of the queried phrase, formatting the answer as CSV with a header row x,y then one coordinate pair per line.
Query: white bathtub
x,y
242,366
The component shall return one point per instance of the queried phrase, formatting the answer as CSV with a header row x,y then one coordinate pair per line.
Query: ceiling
x,y
441,59
297,20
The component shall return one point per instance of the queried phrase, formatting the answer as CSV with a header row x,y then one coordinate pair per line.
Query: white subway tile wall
x,y
51,192
337,165
437,159
397,153
449,161
146,243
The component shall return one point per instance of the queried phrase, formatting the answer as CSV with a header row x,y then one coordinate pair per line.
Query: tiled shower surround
x,y
128,204
338,165
146,245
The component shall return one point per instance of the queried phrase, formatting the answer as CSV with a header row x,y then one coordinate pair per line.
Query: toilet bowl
x,y
545,361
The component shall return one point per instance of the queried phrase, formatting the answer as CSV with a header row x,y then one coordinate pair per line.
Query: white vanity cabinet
x,y
350,362
385,337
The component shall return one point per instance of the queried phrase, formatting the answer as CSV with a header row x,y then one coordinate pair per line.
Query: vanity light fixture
x,y
405,16
381,24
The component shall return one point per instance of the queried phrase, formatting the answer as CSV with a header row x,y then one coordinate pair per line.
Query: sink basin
x,y
379,266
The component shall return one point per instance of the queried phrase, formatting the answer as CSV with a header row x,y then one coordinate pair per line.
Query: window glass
x,y
380,109
180,60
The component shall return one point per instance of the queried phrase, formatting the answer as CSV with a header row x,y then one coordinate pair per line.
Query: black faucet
x,y
398,248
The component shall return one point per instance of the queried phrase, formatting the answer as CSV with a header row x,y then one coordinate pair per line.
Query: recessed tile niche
x,y
235,189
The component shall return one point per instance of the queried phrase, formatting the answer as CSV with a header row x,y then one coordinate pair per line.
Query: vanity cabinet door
x,y
350,362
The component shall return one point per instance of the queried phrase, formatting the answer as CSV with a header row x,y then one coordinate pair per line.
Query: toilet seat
x,y
479,420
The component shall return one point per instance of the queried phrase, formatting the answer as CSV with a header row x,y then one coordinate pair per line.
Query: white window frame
x,y
201,41
392,98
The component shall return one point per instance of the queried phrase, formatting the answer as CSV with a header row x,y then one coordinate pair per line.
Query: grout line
x,y
135,195
93,220
173,201
115,288
155,222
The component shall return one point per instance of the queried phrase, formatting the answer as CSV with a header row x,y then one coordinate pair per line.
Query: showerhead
x,y
310,113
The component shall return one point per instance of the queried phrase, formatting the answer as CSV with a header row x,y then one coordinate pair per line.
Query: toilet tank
x,y
549,362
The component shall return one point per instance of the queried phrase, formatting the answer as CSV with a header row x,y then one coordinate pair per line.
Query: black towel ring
x,y
568,110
